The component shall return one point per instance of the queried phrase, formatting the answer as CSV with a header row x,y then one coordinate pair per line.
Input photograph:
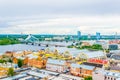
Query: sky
x,y
59,16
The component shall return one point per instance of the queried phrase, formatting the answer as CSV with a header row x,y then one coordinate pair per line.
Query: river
x,y
21,47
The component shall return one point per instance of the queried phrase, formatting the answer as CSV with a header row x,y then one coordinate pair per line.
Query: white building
x,y
105,75
56,65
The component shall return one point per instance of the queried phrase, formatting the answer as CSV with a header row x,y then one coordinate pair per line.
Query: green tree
x,y
3,61
6,41
88,78
10,60
20,63
97,46
10,72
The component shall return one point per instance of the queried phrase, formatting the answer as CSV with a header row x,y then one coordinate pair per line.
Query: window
x,y
105,77
111,78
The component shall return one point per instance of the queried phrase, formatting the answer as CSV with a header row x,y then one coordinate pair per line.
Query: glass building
x,y
79,35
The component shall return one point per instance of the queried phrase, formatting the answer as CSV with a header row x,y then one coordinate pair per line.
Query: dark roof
x,y
93,64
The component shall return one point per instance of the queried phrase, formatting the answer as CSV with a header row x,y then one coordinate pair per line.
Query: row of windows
x,y
109,78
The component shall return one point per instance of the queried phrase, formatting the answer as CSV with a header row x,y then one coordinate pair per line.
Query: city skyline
x,y
59,17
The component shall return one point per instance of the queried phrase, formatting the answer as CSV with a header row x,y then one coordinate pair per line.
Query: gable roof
x,y
75,52
57,62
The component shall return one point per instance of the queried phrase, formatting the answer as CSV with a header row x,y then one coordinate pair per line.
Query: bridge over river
x,y
31,40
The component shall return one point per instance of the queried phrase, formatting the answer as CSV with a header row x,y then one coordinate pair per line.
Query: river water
x,y
21,47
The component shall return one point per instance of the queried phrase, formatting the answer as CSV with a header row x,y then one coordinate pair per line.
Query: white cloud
x,y
107,24
60,16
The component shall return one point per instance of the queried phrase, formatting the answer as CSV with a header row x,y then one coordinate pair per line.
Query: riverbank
x,y
8,41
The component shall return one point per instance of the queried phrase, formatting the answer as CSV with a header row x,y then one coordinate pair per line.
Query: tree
x,y
10,72
88,78
10,60
20,63
97,46
1,61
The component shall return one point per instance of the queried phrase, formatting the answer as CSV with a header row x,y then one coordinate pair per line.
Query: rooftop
x,y
53,61
82,66
31,56
75,52
93,64
15,77
109,73
40,75
49,72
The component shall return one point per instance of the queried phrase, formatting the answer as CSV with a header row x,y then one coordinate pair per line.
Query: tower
x,y
97,35
116,36
89,36
79,35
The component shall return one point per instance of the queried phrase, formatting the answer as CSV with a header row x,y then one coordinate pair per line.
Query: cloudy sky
x,y
59,16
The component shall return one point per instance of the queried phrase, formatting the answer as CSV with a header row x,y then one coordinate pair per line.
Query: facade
x,y
113,46
58,38
21,53
105,75
85,44
18,54
93,64
114,42
27,52
1,56
56,65
98,61
3,72
15,60
81,70
36,61
9,53
48,39
85,56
